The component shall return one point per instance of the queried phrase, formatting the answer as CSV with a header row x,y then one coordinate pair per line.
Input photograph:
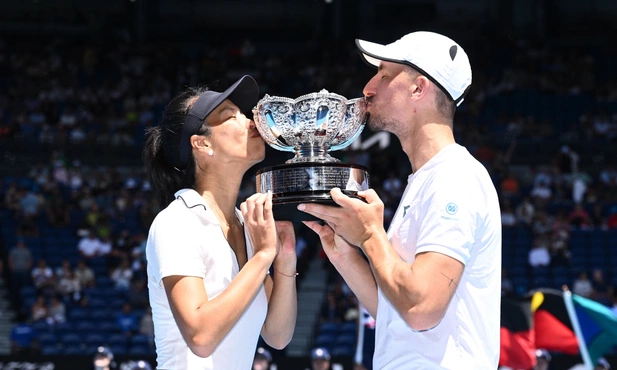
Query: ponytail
x,y
162,142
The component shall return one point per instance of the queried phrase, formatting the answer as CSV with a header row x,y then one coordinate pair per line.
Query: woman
x,y
208,281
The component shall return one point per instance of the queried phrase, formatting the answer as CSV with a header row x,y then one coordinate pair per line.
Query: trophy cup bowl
x,y
310,126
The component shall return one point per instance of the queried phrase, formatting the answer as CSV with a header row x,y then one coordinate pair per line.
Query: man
x,y
432,281
20,265
103,359
543,359
320,359
262,360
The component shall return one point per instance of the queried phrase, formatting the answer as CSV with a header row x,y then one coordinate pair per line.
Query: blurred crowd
x,y
61,91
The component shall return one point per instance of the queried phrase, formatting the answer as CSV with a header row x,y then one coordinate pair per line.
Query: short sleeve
x,y
449,216
174,246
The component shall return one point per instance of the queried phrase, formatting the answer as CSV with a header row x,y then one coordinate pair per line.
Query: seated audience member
x,y
23,339
84,274
57,311
539,254
89,245
127,320
39,310
43,278
582,285
122,275
70,287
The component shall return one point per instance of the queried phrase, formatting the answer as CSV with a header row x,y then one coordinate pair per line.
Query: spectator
x,y
543,176
539,254
262,359
105,246
542,224
138,254
20,265
57,311
84,274
320,359
89,245
63,269
69,287
579,187
23,339
579,217
127,320
602,291
508,219
525,211
122,248
582,285
30,203
608,175
138,294
510,187
122,275
43,277
543,360
611,221
597,219
567,160
541,194
57,210
39,310
561,227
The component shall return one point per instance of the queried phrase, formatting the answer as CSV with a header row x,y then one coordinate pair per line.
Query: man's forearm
x,y
390,272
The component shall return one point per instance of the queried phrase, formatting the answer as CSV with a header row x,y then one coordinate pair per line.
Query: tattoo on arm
x,y
450,279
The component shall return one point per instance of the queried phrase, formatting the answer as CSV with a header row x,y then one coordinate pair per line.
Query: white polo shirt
x,y
186,239
449,206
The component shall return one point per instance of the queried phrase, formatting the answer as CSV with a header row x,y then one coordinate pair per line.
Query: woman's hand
x,y
259,223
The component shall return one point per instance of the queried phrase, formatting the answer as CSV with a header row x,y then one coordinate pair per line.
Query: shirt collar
x,y
192,200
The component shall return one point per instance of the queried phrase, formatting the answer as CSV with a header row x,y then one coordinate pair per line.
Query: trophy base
x,y
286,208
293,184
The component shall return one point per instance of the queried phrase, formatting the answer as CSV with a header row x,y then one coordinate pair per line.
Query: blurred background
x,y
80,81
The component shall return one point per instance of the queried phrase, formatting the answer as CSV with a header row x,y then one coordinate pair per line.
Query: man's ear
x,y
420,86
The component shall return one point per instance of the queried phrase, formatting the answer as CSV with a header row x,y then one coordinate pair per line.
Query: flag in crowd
x,y
558,322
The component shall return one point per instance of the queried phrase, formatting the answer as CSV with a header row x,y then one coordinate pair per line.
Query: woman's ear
x,y
200,143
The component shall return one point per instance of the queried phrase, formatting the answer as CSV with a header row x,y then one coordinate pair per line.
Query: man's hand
x,y
335,246
356,221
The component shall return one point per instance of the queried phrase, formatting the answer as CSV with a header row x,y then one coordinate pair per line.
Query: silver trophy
x,y
310,126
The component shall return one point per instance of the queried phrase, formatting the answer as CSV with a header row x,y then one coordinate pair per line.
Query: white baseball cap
x,y
436,56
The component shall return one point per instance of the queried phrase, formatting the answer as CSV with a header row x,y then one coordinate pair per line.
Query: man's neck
x,y
424,142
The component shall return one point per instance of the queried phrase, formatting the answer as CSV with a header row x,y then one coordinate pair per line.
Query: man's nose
x,y
370,88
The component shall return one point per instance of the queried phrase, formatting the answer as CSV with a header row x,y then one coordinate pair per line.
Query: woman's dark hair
x,y
163,140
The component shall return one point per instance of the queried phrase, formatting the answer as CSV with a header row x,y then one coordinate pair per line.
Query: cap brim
x,y
244,93
374,53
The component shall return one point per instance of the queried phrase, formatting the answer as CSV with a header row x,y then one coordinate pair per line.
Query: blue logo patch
x,y
451,208
405,208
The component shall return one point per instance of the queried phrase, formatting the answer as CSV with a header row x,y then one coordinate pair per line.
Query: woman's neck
x,y
221,195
